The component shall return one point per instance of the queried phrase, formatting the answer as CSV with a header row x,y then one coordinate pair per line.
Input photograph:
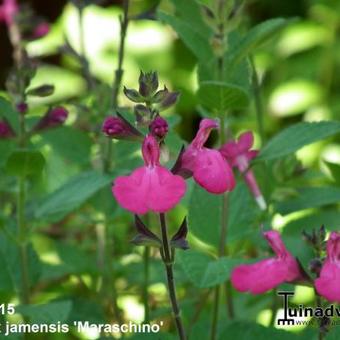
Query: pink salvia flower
x,y
5,130
327,284
150,187
267,274
8,10
208,167
239,155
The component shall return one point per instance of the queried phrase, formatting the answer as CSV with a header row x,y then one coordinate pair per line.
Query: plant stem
x,y
124,22
273,308
146,259
216,307
25,295
258,100
168,260
118,75
82,50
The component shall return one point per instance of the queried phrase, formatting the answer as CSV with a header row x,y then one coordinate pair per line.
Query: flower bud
x,y
159,127
148,83
315,266
160,95
40,30
41,91
52,118
5,130
133,95
119,128
22,107
169,100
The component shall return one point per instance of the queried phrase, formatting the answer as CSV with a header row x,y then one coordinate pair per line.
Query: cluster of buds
x,y
30,25
222,17
149,103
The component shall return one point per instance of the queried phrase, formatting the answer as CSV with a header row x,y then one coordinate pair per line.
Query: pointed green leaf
x,y
221,96
71,195
25,162
296,136
203,270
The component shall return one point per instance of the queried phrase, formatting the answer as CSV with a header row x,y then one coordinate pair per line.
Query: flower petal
x,y
166,190
212,172
149,188
132,191
327,284
259,277
245,141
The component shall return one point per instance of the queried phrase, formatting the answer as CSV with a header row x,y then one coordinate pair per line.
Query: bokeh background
x,y
298,72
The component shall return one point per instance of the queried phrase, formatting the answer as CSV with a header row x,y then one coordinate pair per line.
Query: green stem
x,y
146,259
258,101
84,61
168,260
124,22
25,295
216,307
273,308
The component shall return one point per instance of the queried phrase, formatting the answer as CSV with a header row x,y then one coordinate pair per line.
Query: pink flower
x,y
207,166
5,130
327,284
8,10
159,127
150,187
119,128
40,30
264,275
239,155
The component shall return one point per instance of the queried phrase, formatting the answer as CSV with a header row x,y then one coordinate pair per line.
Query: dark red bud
x,y
120,128
5,130
159,127
52,118
22,107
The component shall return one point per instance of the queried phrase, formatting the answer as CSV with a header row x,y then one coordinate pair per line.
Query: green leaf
x,y
205,213
220,96
9,251
203,270
296,136
72,144
25,162
6,148
243,330
198,44
7,112
330,219
310,198
256,37
71,195
49,313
